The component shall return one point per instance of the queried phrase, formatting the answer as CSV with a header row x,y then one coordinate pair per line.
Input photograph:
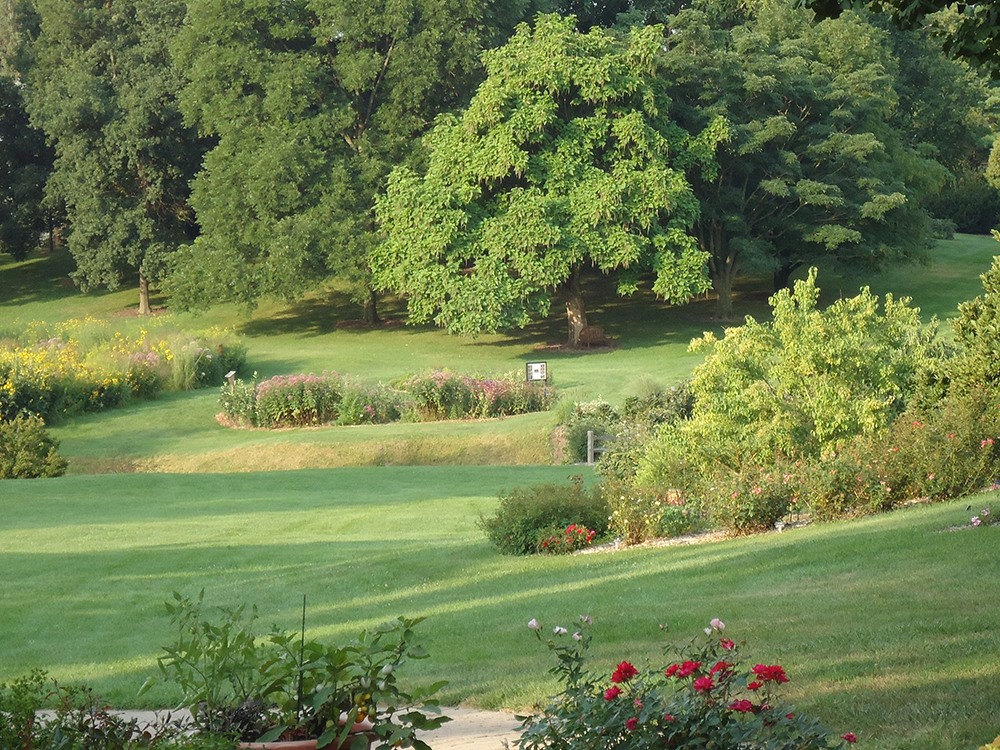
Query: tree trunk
x,y
576,312
721,264
144,308
784,275
371,308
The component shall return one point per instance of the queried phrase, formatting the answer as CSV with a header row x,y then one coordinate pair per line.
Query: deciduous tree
x,y
564,159
102,88
312,102
815,166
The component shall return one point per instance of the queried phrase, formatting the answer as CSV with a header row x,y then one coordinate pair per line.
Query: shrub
x,y
947,450
528,514
84,365
749,500
854,481
361,404
707,697
27,451
977,336
77,718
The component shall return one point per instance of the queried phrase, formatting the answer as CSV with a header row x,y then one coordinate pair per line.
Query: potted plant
x,y
263,691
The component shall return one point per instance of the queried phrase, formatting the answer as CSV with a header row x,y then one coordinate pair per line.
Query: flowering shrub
x,y
528,516
446,395
299,400
556,541
704,697
85,365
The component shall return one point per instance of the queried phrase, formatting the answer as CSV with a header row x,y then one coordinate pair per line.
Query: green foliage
x,y
969,30
638,515
27,451
77,718
708,697
26,163
299,400
528,516
564,158
815,165
77,366
641,417
310,107
103,89
797,389
977,335
946,450
596,416
283,686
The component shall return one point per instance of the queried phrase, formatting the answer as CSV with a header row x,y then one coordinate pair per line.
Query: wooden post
x,y
590,447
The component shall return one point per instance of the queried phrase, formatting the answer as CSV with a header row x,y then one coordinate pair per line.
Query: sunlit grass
x,y
886,625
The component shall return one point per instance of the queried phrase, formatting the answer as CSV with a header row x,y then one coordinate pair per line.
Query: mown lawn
x,y
886,625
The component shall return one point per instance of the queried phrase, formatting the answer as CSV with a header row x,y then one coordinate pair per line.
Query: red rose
x,y
632,723
688,668
721,666
669,717
703,684
849,737
624,672
743,706
672,670
755,685
727,644
772,673
611,693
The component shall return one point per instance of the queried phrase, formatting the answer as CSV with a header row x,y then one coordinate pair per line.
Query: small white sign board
x,y
536,371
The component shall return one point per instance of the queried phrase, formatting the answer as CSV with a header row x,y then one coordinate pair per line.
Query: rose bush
x,y
704,698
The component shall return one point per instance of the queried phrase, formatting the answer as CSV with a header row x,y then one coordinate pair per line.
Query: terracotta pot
x,y
358,730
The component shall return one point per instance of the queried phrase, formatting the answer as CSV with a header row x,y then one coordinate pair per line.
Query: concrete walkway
x,y
469,728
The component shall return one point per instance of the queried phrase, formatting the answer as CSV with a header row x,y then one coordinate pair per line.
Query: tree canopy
x,y
815,166
564,158
102,88
312,103
971,31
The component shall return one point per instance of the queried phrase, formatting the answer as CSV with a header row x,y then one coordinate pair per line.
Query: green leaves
x,y
563,159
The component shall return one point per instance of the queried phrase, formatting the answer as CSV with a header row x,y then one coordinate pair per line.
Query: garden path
x,y
469,728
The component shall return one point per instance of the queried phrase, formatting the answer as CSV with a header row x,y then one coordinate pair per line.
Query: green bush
x,y
446,395
947,450
854,481
27,451
598,416
361,404
528,514
749,500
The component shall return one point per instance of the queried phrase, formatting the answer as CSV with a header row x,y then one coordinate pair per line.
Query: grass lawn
x,y
886,625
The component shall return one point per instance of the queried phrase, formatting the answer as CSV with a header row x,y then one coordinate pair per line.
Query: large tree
x,y
102,88
312,102
971,30
815,165
564,159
